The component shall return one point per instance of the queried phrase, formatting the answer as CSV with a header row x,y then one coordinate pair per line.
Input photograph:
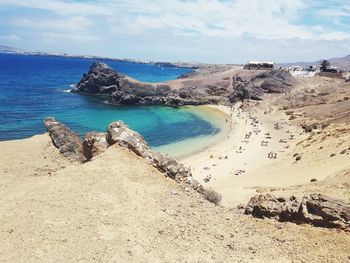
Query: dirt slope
x,y
117,208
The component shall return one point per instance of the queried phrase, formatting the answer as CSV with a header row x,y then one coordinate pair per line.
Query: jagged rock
x,y
102,80
120,89
94,144
73,147
68,142
321,210
118,132
315,209
270,81
272,207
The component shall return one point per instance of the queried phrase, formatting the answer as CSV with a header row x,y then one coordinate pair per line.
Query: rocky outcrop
x,y
101,80
315,209
68,142
94,144
121,89
270,81
119,133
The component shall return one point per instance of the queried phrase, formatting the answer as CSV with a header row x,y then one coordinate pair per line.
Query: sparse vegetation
x,y
323,93
325,65
212,196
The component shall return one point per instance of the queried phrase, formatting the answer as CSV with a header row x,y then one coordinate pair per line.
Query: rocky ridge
x,y
102,80
95,143
67,141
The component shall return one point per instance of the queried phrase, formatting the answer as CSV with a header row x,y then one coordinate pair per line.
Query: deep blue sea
x,y
35,87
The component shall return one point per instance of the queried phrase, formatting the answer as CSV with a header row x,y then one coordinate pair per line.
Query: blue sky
x,y
219,31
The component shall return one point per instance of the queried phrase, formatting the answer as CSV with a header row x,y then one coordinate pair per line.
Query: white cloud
x,y
335,36
53,37
66,24
267,19
10,37
60,6
189,30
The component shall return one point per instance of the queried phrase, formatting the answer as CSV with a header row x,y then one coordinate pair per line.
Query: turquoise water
x,y
34,87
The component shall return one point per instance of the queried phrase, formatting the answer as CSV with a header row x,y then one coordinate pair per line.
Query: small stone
x,y
241,206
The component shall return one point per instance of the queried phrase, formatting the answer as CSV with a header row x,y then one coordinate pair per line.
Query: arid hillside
x,y
117,208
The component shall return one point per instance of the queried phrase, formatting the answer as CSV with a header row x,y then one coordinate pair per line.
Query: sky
x,y
214,31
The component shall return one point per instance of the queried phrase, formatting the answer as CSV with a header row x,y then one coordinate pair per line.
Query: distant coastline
x,y
10,50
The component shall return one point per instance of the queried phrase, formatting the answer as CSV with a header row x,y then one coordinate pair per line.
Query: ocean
x,y
35,87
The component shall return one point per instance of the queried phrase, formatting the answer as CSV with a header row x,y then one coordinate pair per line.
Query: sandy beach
x,y
239,165
188,147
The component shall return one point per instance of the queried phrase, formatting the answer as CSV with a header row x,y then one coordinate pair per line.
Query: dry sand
x,y
232,164
117,208
248,170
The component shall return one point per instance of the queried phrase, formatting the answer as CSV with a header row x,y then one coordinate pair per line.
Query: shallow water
x,y
34,87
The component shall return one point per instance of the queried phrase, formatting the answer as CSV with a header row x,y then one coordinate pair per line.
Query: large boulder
x,y
280,208
94,144
118,132
315,209
100,79
68,142
325,211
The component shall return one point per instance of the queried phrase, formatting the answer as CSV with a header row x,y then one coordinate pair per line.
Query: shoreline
x,y
188,147
231,166
239,167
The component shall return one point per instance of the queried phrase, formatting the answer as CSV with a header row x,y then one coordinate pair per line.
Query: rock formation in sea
x,y
194,90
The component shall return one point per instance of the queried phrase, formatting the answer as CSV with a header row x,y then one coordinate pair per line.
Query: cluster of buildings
x,y
300,71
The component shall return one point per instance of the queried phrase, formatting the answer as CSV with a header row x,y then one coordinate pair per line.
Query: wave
x,y
72,85
67,90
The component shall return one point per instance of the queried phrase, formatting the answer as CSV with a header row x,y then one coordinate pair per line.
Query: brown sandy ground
x,y
323,104
117,208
